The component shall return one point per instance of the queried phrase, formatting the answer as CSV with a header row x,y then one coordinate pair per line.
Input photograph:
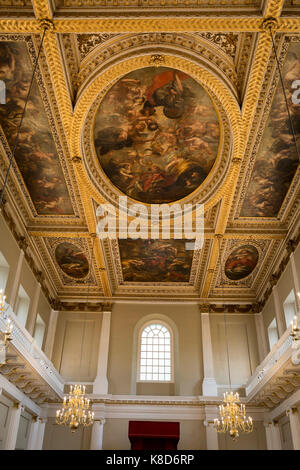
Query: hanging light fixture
x,y
8,323
295,329
232,413
75,409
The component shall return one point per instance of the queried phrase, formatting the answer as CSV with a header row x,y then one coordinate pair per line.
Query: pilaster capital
x,y
99,422
18,406
204,308
292,410
42,420
208,423
267,424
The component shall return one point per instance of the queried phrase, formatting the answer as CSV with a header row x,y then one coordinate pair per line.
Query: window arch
x,y
155,357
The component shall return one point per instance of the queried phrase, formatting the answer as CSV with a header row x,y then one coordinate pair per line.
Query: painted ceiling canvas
x,y
157,135
277,159
241,262
155,260
72,260
36,154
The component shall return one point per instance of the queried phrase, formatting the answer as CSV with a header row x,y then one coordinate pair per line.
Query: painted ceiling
x,y
169,116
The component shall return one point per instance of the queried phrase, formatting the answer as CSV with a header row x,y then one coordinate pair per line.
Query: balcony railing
x,y
278,355
26,345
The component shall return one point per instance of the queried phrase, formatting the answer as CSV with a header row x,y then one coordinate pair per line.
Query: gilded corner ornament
x,y
270,24
46,24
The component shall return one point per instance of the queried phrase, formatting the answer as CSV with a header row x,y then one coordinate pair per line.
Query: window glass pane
x,y
155,353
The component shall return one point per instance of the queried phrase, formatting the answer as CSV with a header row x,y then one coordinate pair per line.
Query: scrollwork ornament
x,y
157,60
269,24
46,24
77,160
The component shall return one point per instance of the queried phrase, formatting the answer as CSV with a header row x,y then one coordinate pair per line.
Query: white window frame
x,y
155,322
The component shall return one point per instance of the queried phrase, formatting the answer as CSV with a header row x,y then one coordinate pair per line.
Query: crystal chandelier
x,y
75,409
8,326
233,416
232,413
295,328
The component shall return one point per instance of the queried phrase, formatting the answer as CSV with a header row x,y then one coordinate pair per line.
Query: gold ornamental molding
x,y
58,78
273,8
258,69
207,236
136,25
42,9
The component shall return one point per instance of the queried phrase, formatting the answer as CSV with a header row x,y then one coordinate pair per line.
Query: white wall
x,y
61,438
5,407
75,352
242,347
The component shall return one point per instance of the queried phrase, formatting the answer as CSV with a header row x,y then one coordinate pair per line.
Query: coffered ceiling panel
x,y
36,155
277,159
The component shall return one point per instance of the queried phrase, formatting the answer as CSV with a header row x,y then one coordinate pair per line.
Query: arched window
x,y
155,353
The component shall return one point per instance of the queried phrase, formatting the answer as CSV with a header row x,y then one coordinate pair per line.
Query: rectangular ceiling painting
x,y
155,260
36,154
276,162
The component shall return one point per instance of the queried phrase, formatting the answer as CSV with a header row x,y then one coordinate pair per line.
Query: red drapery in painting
x,y
153,435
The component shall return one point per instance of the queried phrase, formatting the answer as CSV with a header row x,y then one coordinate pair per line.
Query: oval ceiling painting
x,y
241,262
156,134
71,260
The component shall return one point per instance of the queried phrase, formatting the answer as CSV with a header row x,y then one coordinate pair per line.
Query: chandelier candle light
x,y
75,409
9,325
295,328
